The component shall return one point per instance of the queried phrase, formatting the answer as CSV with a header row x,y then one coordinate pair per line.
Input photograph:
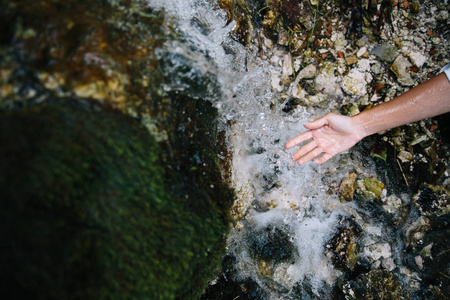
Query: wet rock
x,y
93,189
355,83
388,264
405,156
271,244
308,72
283,275
309,288
385,52
376,68
376,285
350,109
225,286
416,231
415,7
432,199
400,67
351,60
264,268
431,258
370,188
348,186
239,209
326,82
396,208
417,58
442,16
283,38
362,52
287,68
99,175
377,251
343,248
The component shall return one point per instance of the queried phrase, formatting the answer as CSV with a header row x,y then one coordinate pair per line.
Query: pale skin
x,y
333,134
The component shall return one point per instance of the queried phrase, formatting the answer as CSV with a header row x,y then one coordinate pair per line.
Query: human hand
x,y
331,134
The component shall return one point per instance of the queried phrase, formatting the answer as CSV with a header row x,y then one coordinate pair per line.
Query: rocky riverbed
x,y
392,242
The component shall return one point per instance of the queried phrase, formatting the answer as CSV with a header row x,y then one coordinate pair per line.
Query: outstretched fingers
x,y
324,158
311,155
304,150
319,122
298,139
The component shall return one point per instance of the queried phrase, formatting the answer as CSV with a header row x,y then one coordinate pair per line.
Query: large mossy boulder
x,y
88,210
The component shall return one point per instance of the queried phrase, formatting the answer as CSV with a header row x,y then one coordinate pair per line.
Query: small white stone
x,y
361,51
376,251
276,83
417,58
419,261
405,156
388,264
308,72
436,40
355,83
287,65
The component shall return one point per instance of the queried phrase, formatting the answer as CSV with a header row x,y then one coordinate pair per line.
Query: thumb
x,y
319,122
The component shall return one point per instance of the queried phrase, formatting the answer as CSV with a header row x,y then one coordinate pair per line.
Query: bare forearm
x,y
428,99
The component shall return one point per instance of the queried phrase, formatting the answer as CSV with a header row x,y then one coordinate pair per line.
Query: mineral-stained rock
x,y
370,188
376,285
351,60
415,7
350,109
348,186
343,248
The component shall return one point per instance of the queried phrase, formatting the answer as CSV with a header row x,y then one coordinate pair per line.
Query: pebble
x,y
355,83
400,67
377,251
361,52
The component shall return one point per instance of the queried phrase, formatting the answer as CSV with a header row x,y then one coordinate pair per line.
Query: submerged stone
x,y
343,248
370,188
385,52
432,199
377,284
348,186
271,244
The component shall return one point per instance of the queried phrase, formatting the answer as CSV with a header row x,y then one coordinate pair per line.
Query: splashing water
x,y
272,192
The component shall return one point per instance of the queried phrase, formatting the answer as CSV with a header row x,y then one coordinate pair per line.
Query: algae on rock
x,y
94,205
89,211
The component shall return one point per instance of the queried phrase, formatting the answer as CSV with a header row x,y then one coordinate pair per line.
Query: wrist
x,y
360,128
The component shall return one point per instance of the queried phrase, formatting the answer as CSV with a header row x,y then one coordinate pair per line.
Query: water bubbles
x,y
284,214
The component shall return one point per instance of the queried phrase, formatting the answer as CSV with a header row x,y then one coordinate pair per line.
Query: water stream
x,y
276,199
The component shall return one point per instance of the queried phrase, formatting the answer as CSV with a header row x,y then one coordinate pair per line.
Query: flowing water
x,y
273,194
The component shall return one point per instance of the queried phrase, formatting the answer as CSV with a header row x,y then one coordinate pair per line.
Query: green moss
x,y
89,212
